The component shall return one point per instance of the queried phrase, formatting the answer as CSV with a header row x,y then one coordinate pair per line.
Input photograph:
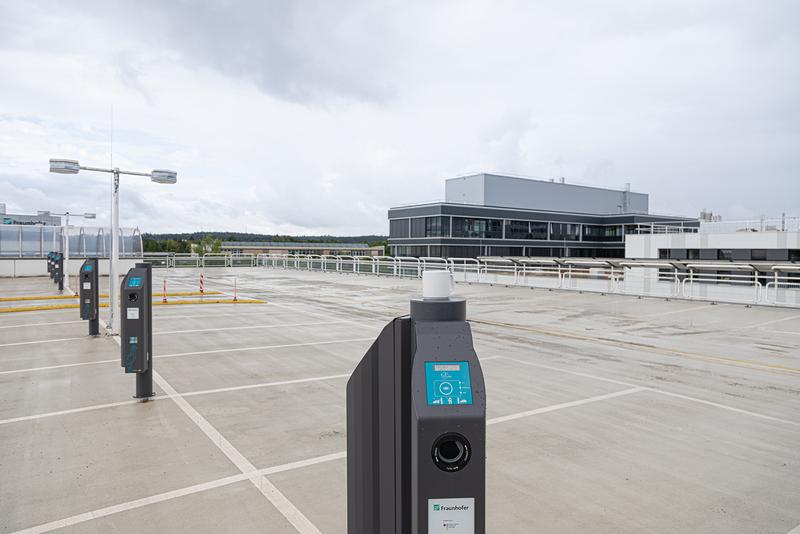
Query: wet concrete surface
x,y
667,416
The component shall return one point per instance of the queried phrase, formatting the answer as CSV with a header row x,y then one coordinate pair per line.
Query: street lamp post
x,y
69,166
65,247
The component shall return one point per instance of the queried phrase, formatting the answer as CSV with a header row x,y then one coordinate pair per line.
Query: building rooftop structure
x,y
41,218
542,195
493,215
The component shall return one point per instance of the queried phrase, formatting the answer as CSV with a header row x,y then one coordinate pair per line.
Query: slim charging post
x,y
59,271
416,424
136,311
89,293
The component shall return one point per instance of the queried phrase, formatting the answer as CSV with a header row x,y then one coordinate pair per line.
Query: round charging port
x,y
451,452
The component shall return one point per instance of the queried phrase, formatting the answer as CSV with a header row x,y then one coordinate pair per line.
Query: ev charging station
x,y
57,270
416,424
136,310
89,293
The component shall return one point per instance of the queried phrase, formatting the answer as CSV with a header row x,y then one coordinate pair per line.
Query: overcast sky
x,y
315,117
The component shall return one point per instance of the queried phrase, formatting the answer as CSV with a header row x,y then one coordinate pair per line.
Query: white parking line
x,y
162,397
781,332
682,310
660,391
247,327
264,347
300,522
563,405
41,341
265,384
256,476
272,493
39,324
774,321
174,494
217,351
61,366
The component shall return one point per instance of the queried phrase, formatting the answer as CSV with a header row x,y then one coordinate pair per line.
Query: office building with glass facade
x,y
491,215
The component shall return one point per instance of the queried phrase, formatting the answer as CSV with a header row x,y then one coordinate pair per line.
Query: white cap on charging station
x,y
437,284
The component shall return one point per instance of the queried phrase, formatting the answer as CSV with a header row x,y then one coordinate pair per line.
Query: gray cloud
x,y
302,116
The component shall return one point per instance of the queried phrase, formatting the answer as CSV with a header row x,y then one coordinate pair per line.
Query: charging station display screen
x,y
135,281
448,383
87,267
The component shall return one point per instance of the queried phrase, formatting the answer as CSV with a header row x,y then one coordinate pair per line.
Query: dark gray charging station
x,y
136,309
89,293
57,272
416,427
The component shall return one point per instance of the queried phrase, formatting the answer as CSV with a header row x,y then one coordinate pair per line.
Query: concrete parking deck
x,y
606,413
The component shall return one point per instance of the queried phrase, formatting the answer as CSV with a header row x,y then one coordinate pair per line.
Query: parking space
x,y
606,414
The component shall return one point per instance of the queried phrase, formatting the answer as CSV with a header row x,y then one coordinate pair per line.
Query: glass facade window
x,y
518,230
664,253
539,230
693,254
724,254
565,232
794,255
596,232
480,228
437,226
418,227
398,228
758,254
525,230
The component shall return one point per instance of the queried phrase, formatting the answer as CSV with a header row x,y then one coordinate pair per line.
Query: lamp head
x,y
164,177
64,166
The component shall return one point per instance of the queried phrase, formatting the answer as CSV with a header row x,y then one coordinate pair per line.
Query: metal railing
x,y
35,241
764,224
776,285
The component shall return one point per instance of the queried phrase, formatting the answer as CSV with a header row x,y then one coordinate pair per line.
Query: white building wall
x,y
647,245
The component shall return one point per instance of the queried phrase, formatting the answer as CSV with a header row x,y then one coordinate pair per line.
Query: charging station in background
x,y
56,269
416,424
89,293
136,311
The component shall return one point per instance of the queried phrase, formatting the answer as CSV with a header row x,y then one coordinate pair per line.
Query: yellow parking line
x,y
105,296
155,303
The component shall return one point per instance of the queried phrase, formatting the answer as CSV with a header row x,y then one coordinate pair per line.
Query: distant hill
x,y
248,237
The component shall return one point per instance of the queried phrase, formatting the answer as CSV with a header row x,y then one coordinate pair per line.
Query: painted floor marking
x,y
781,332
300,522
264,347
41,341
265,385
247,327
174,494
683,310
40,324
162,397
217,351
774,321
61,366
563,405
257,475
661,391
